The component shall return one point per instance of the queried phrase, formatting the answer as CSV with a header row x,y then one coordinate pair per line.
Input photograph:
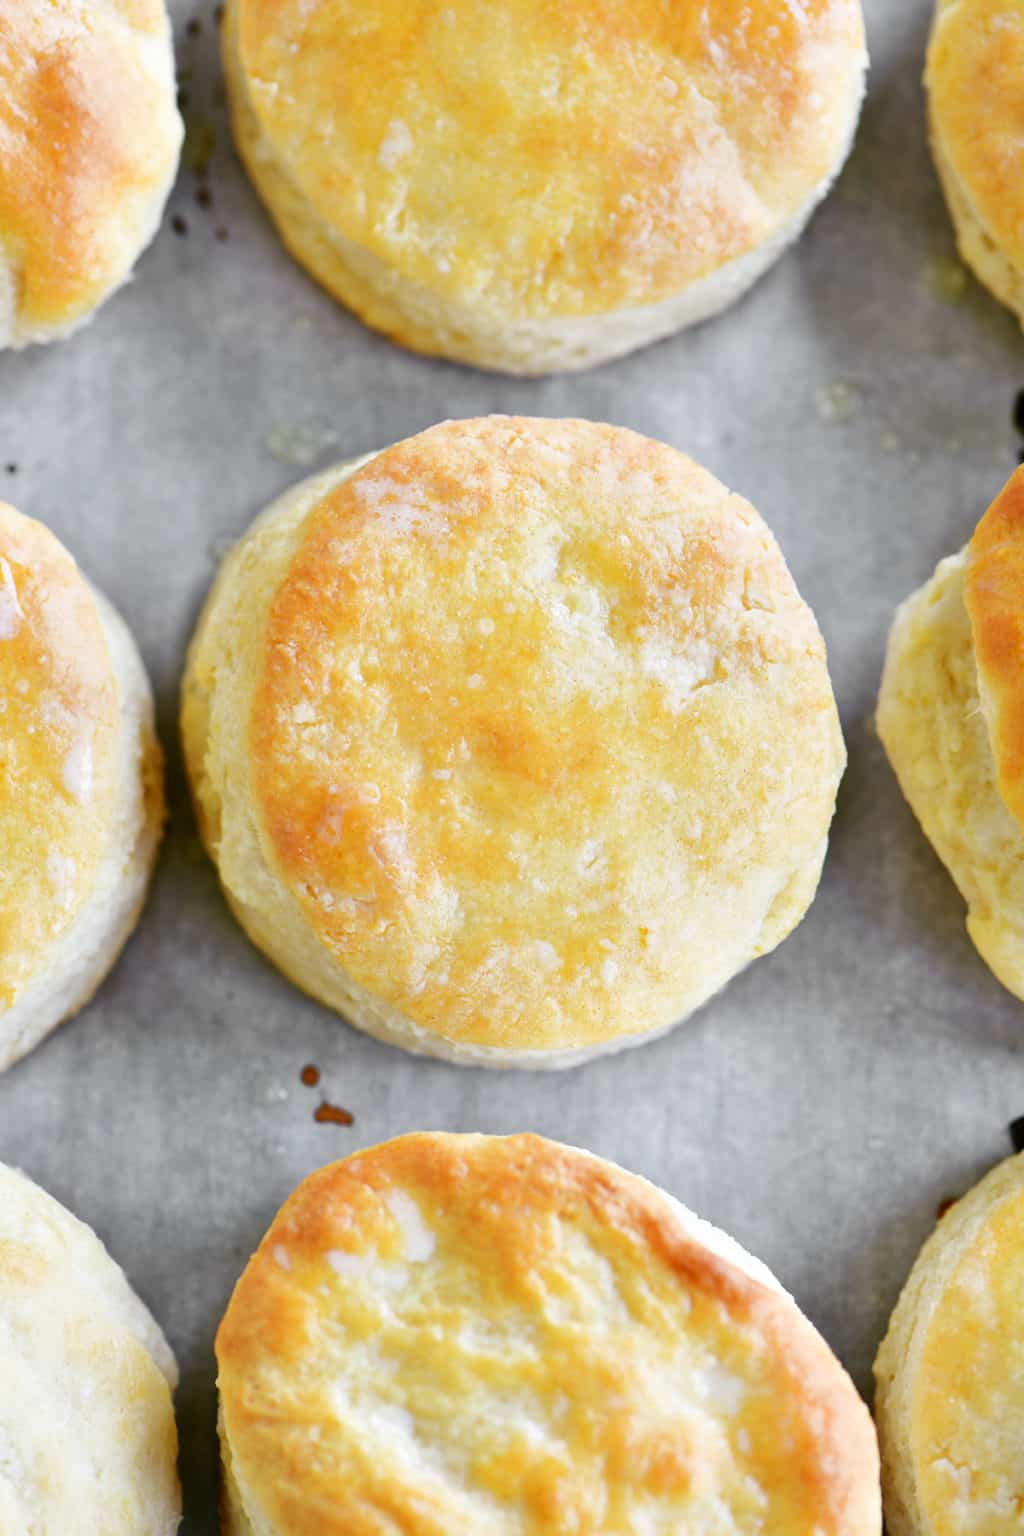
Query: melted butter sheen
x,y
58,718
976,82
563,1359
538,708
77,92
562,158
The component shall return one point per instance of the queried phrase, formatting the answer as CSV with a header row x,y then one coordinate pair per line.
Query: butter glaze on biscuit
x,y
81,802
510,1337
515,742
89,141
528,186
975,80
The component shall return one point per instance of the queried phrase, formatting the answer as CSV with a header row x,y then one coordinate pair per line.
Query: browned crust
x,y
87,150
435,740
61,703
505,1191
975,80
568,160
994,594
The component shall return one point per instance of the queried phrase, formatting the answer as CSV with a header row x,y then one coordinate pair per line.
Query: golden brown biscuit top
x,y
88,140
994,594
975,77
556,159
58,741
967,1412
539,705
505,1336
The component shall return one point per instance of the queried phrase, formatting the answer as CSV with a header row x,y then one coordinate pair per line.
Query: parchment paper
x,y
818,1110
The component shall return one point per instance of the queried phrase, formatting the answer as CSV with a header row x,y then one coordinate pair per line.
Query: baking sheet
x,y
822,1107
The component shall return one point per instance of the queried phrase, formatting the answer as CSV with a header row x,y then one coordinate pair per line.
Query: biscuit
x,y
950,1377
87,1437
505,1335
81,798
951,718
514,742
89,141
975,82
531,187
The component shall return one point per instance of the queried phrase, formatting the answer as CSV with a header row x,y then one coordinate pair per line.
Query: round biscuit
x,y
950,1372
87,1436
509,1336
89,141
514,742
975,83
81,798
527,186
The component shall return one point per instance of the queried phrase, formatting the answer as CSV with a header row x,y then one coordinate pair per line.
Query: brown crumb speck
x,y
194,27
179,224
332,1114
220,233
204,197
944,1206
310,1075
